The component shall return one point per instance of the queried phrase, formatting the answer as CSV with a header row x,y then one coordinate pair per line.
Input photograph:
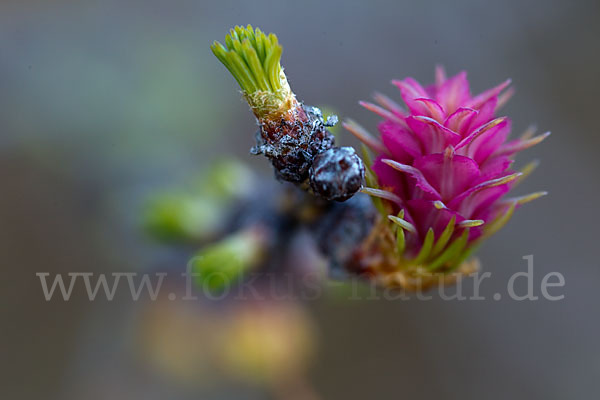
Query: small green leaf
x,y
425,249
463,256
402,223
499,221
254,63
366,155
371,180
400,239
444,237
451,252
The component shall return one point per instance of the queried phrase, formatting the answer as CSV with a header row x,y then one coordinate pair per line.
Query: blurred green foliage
x,y
197,213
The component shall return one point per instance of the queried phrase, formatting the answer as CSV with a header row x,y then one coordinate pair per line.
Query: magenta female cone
x,y
443,166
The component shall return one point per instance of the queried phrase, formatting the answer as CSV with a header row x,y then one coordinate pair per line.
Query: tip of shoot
x,y
253,58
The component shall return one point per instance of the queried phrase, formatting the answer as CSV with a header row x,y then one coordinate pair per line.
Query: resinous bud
x,y
337,173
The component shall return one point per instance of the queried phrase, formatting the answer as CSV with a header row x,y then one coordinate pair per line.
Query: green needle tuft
x,y
218,265
253,58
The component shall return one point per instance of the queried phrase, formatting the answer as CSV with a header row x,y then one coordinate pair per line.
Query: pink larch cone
x,y
442,167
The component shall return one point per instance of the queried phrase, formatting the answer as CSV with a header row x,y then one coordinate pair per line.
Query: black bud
x,y
337,173
291,145
340,232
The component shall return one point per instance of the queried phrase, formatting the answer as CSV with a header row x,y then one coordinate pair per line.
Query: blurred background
x,y
105,102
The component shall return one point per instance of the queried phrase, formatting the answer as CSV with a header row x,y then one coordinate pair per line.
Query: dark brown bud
x,y
292,141
337,173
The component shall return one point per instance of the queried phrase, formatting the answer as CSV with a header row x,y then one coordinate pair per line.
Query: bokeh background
x,y
104,102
